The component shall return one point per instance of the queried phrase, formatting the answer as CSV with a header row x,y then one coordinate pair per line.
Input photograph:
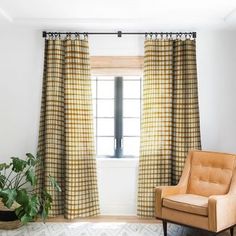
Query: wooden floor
x,y
127,219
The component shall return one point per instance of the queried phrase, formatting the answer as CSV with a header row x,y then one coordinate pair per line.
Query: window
x,y
117,107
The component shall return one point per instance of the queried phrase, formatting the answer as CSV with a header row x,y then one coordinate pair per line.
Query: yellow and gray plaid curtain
x,y
170,118
66,142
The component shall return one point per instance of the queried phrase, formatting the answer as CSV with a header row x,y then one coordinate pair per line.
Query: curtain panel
x,y
170,123
66,143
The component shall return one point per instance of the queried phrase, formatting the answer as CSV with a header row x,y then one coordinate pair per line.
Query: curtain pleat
x,y
66,143
170,123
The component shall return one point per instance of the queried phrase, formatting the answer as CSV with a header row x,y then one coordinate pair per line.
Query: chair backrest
x,y
210,173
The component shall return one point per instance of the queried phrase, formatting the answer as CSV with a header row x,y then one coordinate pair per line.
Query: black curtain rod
x,y
120,33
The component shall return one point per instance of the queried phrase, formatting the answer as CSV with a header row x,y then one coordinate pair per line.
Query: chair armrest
x,y
221,211
164,191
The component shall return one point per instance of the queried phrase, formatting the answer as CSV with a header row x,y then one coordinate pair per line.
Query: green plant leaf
x,y
31,156
22,197
18,165
54,183
32,160
30,206
33,206
8,196
19,211
4,166
46,205
2,180
46,196
44,214
26,218
31,177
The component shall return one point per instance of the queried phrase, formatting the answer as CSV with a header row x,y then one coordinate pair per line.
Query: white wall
x,y
117,181
21,64
216,55
21,55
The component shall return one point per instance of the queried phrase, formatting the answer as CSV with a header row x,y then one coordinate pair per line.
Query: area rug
x,y
101,229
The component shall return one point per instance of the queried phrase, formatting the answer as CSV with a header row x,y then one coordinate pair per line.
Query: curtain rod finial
x,y
44,34
194,35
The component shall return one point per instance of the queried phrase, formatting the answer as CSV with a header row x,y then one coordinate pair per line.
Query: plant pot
x,y
8,218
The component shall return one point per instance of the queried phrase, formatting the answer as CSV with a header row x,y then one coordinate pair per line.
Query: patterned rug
x,y
101,229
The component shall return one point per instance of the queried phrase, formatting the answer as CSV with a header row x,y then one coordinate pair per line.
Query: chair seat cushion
x,y
190,203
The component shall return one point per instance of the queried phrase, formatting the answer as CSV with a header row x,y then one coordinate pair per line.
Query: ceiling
x,y
127,15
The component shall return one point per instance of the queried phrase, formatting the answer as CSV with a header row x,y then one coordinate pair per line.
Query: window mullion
x,y
118,121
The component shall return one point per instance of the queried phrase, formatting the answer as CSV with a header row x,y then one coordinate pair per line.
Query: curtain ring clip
x,y
85,35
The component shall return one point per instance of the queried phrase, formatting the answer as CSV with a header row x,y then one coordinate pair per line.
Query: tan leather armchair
x,y
205,196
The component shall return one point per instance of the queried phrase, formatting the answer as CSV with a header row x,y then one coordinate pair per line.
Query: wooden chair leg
x,y
164,224
232,231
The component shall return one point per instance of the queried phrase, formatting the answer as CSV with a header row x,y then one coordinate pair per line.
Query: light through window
x,y
116,109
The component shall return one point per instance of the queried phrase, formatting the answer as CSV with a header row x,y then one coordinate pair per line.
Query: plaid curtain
x,y
66,142
170,117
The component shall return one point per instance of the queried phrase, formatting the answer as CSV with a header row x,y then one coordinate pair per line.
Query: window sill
x,y
112,162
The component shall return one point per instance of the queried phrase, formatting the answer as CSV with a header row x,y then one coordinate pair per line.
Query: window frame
x,y
118,136
116,66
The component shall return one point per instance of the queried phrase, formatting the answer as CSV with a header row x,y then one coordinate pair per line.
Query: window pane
x,y
105,127
104,114
131,127
105,89
131,146
131,89
105,108
105,146
131,108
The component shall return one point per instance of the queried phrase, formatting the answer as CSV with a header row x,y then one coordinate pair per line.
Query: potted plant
x,y
20,203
